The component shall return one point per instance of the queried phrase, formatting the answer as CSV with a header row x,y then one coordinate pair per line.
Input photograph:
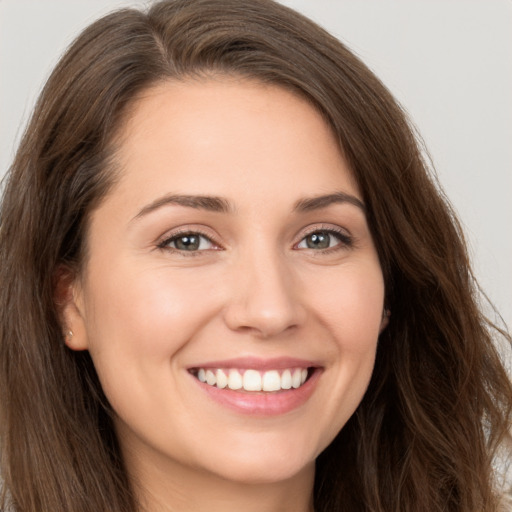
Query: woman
x,y
228,281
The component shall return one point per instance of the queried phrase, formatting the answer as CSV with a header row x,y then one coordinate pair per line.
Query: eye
x,y
324,239
188,242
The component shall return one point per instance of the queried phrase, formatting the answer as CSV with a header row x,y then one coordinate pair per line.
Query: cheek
x,y
346,303
148,312
137,327
350,301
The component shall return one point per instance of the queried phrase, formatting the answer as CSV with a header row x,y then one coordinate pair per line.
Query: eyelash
x,y
345,240
164,244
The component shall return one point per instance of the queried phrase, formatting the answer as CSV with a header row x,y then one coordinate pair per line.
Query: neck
x,y
182,489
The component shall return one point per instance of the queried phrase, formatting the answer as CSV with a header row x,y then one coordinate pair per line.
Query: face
x,y
232,296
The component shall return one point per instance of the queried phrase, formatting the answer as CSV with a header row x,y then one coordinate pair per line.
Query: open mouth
x,y
252,380
256,387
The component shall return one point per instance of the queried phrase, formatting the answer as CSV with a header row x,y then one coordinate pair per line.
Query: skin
x,y
147,313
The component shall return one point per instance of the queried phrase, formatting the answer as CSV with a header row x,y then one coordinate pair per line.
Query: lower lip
x,y
262,403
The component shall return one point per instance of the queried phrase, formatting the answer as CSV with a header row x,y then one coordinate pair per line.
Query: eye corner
x,y
322,238
187,242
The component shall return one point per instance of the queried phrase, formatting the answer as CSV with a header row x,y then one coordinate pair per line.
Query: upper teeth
x,y
254,380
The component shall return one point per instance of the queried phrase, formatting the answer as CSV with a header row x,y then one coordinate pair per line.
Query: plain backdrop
x,y
448,62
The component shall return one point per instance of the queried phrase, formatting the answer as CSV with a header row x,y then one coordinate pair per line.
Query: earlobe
x,y
385,320
68,303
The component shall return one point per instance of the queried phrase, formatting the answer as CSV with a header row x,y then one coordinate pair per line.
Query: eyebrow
x,y
222,205
318,202
209,203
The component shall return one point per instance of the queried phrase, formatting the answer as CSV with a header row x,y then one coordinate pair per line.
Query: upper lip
x,y
256,363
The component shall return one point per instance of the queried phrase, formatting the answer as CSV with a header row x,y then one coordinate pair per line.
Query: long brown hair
x,y
439,401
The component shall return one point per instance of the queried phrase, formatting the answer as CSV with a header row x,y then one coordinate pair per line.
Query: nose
x,y
264,299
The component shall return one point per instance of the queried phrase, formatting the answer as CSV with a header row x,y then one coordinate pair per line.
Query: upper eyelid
x,y
307,230
174,234
344,236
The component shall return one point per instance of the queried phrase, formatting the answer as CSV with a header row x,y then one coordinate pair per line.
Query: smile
x,y
258,387
252,380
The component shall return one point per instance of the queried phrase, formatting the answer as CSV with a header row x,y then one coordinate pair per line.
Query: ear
x,y
385,320
69,305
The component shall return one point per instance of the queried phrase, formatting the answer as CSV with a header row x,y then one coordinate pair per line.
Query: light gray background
x,y
449,63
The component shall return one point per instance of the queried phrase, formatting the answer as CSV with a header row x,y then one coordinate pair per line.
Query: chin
x,y
265,464
254,473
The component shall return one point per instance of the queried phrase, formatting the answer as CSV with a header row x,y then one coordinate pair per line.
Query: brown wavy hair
x,y
439,401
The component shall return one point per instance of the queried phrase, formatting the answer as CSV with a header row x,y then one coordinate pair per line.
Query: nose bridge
x,y
264,297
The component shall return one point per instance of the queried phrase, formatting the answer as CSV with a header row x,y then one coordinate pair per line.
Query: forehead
x,y
221,134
